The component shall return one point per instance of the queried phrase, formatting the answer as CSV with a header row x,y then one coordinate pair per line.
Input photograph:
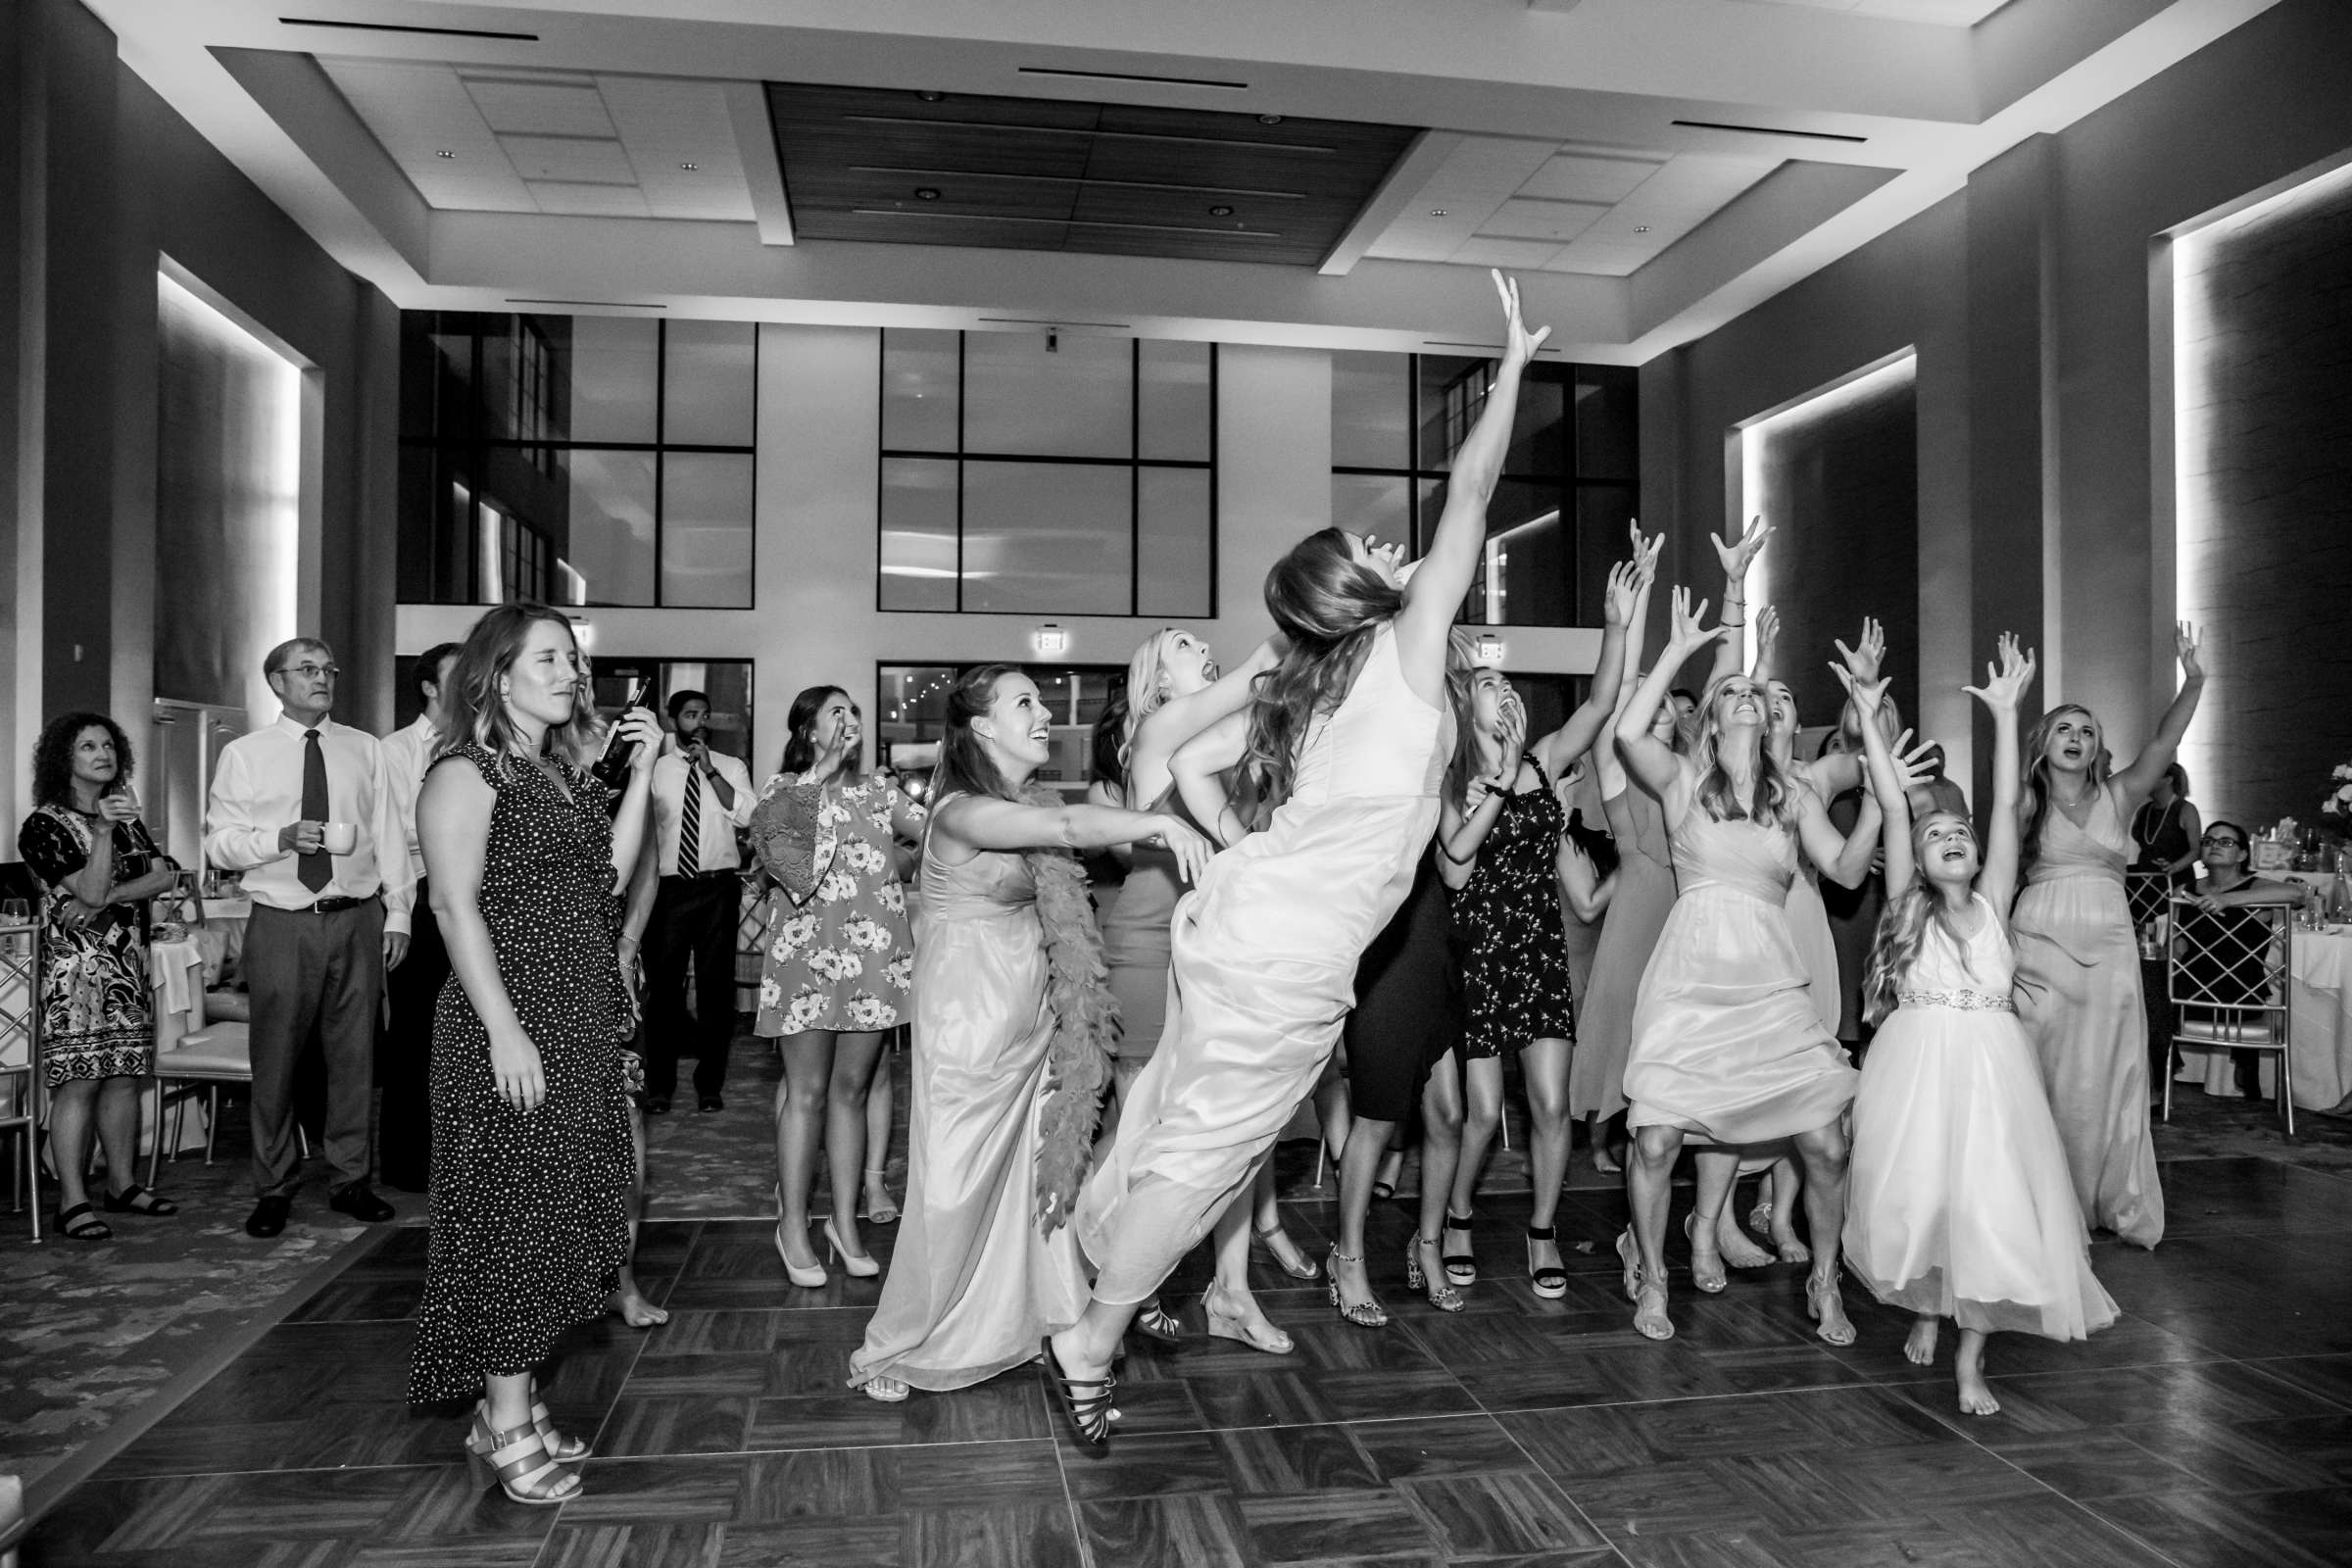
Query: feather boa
x,y
1086,1022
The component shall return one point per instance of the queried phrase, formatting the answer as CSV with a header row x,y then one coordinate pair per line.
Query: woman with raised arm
x,y
531,1154
1726,1040
1013,1033
2078,958
1958,1202
1174,691
1344,743
1499,836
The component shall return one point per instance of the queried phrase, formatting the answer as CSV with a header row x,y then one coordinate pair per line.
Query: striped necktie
x,y
690,823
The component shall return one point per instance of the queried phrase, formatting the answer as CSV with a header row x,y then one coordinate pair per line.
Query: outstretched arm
x,y
1886,784
1737,558
1435,590
2004,687
1650,761
1609,771
985,823
1563,745
1199,767
2138,781
1462,829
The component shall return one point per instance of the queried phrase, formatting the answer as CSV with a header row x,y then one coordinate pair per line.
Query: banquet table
x,y
2322,1038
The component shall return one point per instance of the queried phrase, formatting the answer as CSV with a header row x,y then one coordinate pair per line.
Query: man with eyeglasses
x,y
302,808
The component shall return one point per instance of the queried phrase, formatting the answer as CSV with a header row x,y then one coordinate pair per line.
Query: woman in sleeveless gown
x,y
1959,1203
983,1264
1727,1043
2077,961
532,1160
1344,744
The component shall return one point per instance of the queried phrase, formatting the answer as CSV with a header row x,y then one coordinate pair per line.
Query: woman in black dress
x,y
531,1155
1499,845
86,844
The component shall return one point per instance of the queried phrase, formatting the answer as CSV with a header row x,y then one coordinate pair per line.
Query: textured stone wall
x,y
2262,352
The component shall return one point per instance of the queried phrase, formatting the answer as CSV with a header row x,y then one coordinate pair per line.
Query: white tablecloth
x,y
2323,1016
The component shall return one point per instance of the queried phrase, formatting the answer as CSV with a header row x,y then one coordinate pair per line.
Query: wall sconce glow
x,y
583,633
1489,651
2201,356
1050,641
1755,436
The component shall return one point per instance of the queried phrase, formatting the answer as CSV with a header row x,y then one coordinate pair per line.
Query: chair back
x,y
2230,973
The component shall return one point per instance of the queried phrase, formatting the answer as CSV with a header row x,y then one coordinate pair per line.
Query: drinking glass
x,y
14,912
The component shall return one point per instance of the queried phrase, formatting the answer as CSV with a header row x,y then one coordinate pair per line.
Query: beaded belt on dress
x,y
1964,1000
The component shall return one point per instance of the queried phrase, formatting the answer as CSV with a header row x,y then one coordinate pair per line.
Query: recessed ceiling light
x,y
1220,211
1640,229
1436,212
443,152
930,97
690,167
926,193
1269,119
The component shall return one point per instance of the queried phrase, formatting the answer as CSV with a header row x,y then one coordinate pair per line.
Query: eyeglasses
x,y
2223,841
311,671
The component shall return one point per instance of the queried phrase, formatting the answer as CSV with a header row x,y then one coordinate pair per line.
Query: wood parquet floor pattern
x,y
2211,1427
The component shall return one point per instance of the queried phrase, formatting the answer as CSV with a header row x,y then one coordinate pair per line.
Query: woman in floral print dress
x,y
834,974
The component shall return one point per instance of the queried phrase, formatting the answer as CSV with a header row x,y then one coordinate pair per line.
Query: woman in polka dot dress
x,y
835,969
531,1157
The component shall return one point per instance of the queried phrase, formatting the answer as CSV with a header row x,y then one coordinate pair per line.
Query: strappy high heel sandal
x,y
885,1390
1155,1322
1363,1314
1550,1282
886,1212
518,1462
1820,1295
1089,1413
1714,1284
1227,1324
561,1448
1650,1323
1304,1269
1461,1267
1442,1295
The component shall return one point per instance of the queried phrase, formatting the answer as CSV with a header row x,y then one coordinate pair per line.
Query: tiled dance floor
x,y
2212,1426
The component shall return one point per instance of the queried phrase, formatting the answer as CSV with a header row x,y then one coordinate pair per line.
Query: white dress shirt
x,y
672,774
408,753
257,790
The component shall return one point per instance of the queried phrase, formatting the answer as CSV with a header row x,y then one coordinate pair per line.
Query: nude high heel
x,y
807,1279
858,1265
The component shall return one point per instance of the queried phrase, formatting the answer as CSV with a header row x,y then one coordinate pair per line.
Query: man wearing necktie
x,y
701,797
302,808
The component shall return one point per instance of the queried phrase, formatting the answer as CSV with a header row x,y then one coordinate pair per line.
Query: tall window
x,y
577,460
1024,473
1569,480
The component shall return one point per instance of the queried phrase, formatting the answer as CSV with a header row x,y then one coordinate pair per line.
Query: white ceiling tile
x,y
1603,260
1585,177
1940,12
1519,253
1524,219
565,159
589,201
520,106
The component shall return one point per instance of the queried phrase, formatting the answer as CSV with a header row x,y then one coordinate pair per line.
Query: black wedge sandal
x,y
1090,1413
1552,1281
1461,1267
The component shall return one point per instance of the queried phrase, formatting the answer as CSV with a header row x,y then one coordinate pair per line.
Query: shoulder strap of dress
x,y
1542,771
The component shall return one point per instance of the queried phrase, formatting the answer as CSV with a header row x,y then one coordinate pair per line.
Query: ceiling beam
x,y
1395,191
755,144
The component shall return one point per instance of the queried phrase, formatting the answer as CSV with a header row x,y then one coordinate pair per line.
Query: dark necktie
x,y
690,824
315,870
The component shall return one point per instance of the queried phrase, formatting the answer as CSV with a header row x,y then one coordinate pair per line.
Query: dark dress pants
x,y
404,1132
693,921
324,973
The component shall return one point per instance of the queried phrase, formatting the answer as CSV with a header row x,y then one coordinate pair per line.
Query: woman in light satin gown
x,y
1726,1039
1344,743
975,1278
2077,961
1959,1203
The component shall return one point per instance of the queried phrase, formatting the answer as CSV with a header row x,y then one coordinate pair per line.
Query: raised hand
x,y
1519,345
1869,651
1866,692
1914,765
1738,558
1768,632
1392,555
2187,645
2007,680
1627,579
640,725
1645,550
1511,734
1686,634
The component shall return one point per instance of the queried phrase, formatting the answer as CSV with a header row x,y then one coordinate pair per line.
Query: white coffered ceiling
x,y
1651,167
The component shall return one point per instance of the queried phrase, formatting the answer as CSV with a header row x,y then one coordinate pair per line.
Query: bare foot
x,y
1793,1251
628,1302
1825,1307
1738,1248
1975,1397
1605,1162
1920,1348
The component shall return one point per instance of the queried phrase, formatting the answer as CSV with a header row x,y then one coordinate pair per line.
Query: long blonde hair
x,y
1775,800
1146,693
1903,930
2037,750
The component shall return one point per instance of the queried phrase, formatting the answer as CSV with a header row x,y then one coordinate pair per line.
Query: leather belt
x,y
331,906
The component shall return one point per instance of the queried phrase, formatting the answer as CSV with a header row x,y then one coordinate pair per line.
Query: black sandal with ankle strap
x,y
1090,1413
1552,1281
1461,1267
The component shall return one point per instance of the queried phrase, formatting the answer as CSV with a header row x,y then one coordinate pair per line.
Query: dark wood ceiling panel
x,y
897,167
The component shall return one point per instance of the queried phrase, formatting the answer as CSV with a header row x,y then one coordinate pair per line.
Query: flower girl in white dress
x,y
1960,1205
